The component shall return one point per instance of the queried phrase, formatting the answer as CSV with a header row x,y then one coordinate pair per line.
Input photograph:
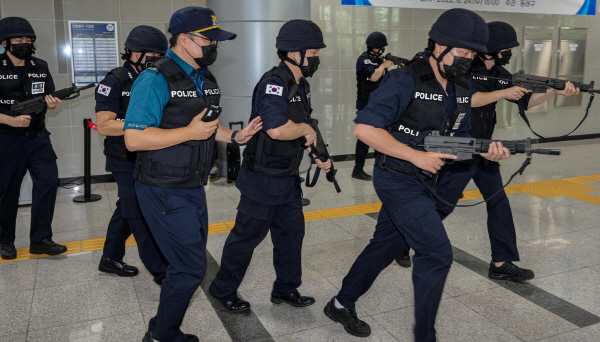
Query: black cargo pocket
x,y
278,154
171,162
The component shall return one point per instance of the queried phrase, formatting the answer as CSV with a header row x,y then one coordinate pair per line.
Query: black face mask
x,y
209,55
461,66
150,60
377,54
22,51
313,65
505,59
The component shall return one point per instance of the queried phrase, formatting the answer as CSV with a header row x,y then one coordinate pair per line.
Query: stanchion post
x,y
87,167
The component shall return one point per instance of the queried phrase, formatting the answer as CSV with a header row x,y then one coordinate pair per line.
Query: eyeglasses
x,y
213,43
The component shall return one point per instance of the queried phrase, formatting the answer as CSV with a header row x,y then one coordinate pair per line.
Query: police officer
x,y
409,103
486,173
143,45
370,69
24,140
175,154
268,179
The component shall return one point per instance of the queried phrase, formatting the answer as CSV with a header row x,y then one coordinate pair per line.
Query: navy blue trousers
x,y
178,220
360,155
253,221
18,155
453,180
127,219
407,216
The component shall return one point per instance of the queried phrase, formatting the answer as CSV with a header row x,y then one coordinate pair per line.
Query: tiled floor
x,y
65,298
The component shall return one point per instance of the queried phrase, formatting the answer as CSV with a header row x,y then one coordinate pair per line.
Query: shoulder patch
x,y
368,61
274,90
104,90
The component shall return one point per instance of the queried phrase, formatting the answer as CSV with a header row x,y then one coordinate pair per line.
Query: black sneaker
x,y
403,259
348,318
47,246
509,271
362,175
8,251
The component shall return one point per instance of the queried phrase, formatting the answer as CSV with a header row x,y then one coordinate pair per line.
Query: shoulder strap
x,y
122,75
416,66
170,69
209,76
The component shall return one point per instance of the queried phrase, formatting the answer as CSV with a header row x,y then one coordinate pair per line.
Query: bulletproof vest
x,y
266,156
114,147
13,89
483,119
186,165
366,87
426,112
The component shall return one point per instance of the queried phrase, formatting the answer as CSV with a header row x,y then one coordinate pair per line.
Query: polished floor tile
x,y
455,322
580,287
577,246
14,316
516,315
18,276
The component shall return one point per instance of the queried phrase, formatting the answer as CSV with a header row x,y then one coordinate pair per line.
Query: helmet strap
x,y
138,64
302,57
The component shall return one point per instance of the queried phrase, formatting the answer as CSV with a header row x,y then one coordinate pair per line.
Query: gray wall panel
x,y
259,10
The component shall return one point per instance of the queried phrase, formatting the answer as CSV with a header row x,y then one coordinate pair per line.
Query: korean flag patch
x,y
368,61
37,88
104,90
274,90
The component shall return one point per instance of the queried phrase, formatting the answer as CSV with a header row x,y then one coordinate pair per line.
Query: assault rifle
x,y
537,83
540,84
399,61
320,152
464,147
38,104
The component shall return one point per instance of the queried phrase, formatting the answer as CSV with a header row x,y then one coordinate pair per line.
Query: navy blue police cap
x,y
200,20
377,40
502,36
460,28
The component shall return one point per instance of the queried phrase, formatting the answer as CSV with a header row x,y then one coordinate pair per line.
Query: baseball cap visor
x,y
218,34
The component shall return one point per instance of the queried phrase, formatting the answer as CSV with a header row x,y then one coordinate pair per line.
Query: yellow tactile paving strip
x,y
570,187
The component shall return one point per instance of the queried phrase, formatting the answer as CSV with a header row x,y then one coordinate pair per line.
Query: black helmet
x,y
460,28
299,35
13,27
502,36
377,40
145,38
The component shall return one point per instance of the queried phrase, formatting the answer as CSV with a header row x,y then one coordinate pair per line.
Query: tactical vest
x,y
366,87
186,165
266,156
114,147
426,112
483,119
13,89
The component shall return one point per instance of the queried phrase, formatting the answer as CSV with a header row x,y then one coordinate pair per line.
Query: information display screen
x,y
94,50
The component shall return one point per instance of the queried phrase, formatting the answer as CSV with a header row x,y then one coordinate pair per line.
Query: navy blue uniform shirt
x,y
273,110
365,67
34,141
385,106
110,102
